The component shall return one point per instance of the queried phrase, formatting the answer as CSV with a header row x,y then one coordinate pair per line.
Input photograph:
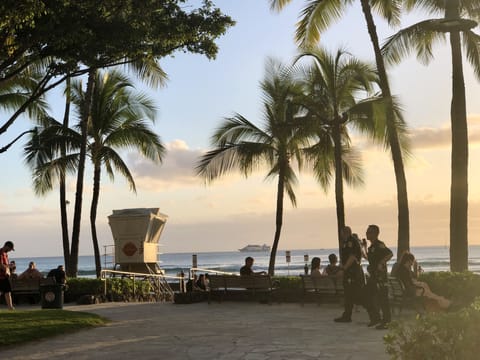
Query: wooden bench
x,y
25,288
323,288
399,299
252,286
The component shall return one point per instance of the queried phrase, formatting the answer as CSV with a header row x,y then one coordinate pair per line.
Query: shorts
x,y
5,286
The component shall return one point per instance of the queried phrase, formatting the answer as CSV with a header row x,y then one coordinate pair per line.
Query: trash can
x,y
51,296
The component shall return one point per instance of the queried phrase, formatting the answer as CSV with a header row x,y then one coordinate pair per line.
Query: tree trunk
x,y
403,241
93,217
278,220
459,162
63,197
77,216
338,181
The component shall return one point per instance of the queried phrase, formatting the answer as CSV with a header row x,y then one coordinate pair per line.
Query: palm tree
x,y
147,70
119,120
421,37
242,145
316,18
333,83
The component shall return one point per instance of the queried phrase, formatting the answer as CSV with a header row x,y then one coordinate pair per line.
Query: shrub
x,y
445,336
118,289
462,288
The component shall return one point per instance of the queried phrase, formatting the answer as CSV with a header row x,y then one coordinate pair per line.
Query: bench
x,y
324,287
252,286
25,288
399,299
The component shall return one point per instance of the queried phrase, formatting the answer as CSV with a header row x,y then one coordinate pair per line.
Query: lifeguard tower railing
x,y
161,290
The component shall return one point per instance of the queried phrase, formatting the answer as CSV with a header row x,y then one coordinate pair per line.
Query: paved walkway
x,y
228,330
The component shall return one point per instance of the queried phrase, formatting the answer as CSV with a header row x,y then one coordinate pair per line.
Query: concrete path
x,y
228,330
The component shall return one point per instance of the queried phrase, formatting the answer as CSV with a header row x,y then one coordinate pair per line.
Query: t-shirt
x,y
332,269
5,262
405,276
245,270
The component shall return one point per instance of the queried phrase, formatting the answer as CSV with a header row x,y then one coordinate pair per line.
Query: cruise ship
x,y
255,248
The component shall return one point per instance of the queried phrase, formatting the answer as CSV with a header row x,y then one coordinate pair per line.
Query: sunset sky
x,y
235,211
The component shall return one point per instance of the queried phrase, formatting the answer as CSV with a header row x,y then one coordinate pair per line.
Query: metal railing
x,y
195,269
162,290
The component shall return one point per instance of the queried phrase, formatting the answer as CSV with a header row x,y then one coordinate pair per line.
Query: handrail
x,y
135,274
212,271
159,277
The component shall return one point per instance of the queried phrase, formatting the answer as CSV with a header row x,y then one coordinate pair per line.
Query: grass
x,y
17,327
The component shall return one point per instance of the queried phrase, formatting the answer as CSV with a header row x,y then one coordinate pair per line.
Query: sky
x,y
234,211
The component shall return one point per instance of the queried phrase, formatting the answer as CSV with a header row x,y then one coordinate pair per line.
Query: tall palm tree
x,y
119,120
242,145
334,82
147,70
316,17
421,37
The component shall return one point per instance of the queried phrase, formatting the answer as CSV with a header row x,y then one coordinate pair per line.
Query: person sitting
x,y
315,267
332,269
58,274
31,272
13,269
247,268
413,287
200,284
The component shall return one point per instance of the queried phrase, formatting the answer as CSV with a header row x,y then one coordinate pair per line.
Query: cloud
x,y
438,138
176,170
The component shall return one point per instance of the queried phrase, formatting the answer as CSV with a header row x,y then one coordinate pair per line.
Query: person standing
x,y
5,287
353,277
378,255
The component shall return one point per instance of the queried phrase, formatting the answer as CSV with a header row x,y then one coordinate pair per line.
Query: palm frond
x,y
471,43
316,17
390,10
419,38
114,162
277,5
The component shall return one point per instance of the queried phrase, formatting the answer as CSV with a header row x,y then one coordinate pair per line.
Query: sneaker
x,y
382,326
342,319
373,323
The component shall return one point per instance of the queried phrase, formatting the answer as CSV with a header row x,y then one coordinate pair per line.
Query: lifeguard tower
x,y
136,233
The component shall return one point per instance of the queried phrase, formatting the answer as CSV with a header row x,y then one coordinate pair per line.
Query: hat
x,y
10,245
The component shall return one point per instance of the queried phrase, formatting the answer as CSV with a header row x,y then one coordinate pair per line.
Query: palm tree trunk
x,y
77,216
278,221
397,158
63,197
93,217
338,181
459,162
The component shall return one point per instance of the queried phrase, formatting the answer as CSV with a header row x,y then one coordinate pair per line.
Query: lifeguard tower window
x,y
136,233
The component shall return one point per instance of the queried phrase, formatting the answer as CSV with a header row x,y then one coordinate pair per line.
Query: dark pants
x,y
378,301
353,288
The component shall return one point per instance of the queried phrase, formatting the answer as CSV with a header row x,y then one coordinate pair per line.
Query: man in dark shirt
x,y
353,278
378,254
247,268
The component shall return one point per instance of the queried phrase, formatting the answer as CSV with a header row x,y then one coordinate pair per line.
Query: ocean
x,y
434,258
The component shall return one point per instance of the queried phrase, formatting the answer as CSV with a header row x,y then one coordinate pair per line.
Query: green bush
x,y
118,289
461,288
288,282
446,336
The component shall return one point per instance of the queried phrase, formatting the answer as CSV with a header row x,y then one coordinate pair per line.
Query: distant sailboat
x,y
255,248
